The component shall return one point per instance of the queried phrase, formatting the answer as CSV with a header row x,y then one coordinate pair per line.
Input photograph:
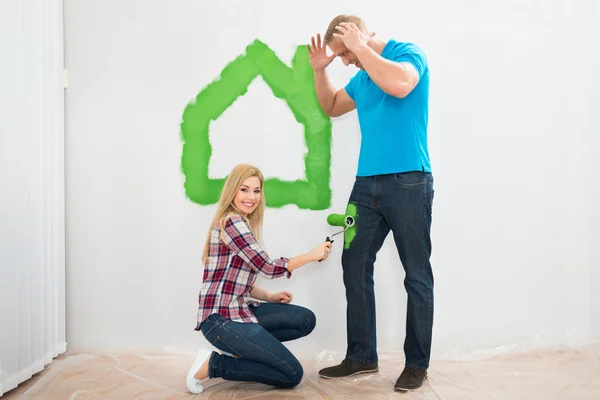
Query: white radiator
x,y
32,188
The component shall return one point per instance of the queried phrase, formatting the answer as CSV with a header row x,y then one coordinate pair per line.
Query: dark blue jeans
x,y
401,203
259,355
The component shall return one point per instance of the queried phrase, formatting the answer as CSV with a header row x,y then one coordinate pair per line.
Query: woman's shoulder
x,y
234,219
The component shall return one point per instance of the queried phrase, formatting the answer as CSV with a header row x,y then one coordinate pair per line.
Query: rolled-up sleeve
x,y
238,237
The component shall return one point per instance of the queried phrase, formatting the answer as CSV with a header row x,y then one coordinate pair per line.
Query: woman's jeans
x,y
257,349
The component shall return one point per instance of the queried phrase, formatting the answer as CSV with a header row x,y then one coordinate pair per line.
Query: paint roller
x,y
346,221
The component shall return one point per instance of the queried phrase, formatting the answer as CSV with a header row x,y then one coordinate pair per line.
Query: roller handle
x,y
328,240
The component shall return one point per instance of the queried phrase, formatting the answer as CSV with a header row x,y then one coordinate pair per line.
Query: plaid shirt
x,y
234,261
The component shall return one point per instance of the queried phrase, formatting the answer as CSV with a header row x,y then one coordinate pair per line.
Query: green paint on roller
x,y
337,220
350,232
345,220
294,85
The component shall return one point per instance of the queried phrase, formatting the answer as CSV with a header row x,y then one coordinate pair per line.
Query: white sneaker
x,y
195,385
225,353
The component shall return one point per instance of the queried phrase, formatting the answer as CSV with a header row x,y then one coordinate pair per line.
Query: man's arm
x,y
395,78
334,103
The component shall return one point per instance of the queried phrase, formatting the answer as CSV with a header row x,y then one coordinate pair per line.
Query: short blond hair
x,y
338,20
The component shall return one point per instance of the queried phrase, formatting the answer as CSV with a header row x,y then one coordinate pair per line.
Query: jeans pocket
x,y
220,343
410,180
209,325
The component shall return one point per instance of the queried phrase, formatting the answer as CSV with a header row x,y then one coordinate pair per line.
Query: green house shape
x,y
296,86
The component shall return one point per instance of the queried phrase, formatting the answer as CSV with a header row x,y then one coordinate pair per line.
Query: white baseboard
x,y
9,383
60,348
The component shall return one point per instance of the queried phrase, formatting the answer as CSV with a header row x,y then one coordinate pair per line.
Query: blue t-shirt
x,y
393,130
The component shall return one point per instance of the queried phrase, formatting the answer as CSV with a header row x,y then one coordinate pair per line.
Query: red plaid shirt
x,y
230,272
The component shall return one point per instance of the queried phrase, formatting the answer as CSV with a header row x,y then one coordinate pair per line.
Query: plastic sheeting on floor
x,y
541,374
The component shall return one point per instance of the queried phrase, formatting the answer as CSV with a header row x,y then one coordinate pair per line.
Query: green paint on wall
x,y
294,85
350,233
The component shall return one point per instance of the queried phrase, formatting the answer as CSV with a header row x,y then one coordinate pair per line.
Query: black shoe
x,y
410,379
347,368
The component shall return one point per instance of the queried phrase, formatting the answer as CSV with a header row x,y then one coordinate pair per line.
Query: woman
x,y
249,333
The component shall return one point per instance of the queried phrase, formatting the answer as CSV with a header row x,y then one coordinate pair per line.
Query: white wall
x,y
511,144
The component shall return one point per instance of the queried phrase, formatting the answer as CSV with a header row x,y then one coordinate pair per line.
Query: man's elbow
x,y
400,90
329,112
399,93
337,111
333,113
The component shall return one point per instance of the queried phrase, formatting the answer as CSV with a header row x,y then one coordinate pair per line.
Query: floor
x,y
543,374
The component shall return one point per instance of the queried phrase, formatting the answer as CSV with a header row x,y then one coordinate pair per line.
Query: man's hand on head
x,y
352,37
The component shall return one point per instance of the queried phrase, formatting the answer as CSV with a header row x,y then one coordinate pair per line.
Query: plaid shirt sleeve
x,y
239,238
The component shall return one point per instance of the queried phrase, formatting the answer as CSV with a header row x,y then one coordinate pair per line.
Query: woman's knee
x,y
299,373
307,321
294,374
311,321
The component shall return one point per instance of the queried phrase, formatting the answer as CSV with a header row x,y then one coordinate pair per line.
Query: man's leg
x,y
408,204
285,321
361,245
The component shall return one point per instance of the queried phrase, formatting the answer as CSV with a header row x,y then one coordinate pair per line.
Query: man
x,y
393,188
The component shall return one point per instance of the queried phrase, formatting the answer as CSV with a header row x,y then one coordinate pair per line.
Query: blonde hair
x,y
338,20
226,207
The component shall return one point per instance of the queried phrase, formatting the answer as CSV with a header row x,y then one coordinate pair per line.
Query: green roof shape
x,y
296,87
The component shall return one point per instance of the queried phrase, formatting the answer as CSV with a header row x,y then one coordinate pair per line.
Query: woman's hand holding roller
x,y
321,252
